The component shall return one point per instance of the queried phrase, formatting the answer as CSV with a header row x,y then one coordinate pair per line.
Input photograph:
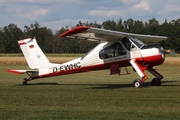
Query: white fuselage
x,y
92,61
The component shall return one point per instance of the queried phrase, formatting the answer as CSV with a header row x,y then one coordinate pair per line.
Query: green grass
x,y
92,95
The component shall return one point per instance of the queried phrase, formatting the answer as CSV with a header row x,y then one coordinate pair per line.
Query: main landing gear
x,y
156,82
140,70
138,83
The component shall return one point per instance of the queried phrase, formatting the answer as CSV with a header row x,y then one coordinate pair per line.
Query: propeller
x,y
171,52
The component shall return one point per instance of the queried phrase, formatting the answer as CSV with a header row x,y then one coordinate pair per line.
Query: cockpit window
x,y
137,42
127,44
113,50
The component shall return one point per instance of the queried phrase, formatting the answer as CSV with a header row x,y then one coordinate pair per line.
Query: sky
x,y
56,14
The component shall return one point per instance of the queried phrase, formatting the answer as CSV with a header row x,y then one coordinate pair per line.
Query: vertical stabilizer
x,y
34,56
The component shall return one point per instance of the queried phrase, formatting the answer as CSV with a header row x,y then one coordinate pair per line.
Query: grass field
x,y
92,95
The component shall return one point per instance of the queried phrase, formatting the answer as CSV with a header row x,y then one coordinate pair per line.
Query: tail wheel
x,y
156,82
137,83
24,83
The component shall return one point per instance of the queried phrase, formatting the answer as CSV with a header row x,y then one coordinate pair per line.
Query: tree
x,y
120,26
50,43
174,34
151,27
42,34
109,25
10,35
129,25
59,45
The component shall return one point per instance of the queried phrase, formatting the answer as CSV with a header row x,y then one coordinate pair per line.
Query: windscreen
x,y
137,42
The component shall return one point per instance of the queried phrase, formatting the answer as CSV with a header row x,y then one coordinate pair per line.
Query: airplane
x,y
114,51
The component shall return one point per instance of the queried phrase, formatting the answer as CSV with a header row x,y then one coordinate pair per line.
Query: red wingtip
x,y
22,42
74,31
14,71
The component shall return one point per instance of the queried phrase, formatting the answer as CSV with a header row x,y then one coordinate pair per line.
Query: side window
x,y
119,50
113,50
127,44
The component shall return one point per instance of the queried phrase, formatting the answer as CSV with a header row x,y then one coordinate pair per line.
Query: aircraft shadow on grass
x,y
103,86
39,84
117,86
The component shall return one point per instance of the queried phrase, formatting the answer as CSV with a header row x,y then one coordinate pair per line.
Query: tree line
x,y
50,43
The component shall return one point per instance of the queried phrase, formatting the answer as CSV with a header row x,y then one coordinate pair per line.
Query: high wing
x,y
103,35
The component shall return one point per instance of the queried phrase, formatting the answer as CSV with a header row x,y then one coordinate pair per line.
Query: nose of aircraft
x,y
161,49
171,52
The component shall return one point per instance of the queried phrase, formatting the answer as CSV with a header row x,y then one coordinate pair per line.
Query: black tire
x,y
156,82
137,83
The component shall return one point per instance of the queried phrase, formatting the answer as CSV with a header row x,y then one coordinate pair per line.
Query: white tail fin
x,y
33,54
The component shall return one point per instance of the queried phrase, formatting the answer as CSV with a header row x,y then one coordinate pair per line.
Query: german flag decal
x,y
31,46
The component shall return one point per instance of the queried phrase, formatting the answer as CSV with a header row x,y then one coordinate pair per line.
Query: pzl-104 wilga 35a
x,y
115,50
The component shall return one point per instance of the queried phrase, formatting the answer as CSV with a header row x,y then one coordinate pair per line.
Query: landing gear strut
x,y
27,79
156,81
140,70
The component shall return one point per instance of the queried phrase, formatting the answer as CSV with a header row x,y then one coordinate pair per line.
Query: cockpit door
x,y
135,52
132,47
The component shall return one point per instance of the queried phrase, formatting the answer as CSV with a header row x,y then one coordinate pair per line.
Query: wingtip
x,y
74,31
14,71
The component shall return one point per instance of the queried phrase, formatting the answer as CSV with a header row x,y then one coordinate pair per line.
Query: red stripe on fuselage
x,y
151,60
86,69
77,70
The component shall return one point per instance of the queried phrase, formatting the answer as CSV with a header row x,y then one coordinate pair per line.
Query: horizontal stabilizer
x,y
22,71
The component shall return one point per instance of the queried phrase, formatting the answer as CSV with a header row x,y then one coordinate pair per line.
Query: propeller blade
x,y
171,52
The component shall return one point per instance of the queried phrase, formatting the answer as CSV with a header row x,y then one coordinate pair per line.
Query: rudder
x,y
34,56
